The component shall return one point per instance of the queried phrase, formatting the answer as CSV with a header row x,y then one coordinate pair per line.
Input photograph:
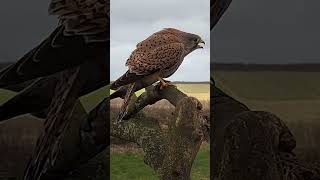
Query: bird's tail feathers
x,y
124,108
125,79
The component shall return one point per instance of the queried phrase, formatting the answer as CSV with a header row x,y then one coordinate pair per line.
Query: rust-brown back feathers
x,y
161,50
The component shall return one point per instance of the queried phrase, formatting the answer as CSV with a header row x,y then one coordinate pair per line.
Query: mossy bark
x,y
170,153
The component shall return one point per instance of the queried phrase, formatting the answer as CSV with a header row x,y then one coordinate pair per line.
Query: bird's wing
x,y
162,57
47,59
83,17
217,9
143,63
125,79
156,40
124,108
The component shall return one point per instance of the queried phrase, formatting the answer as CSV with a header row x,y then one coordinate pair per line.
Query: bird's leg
x,y
164,83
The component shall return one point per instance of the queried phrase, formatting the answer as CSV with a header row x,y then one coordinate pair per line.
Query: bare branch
x,y
170,153
152,95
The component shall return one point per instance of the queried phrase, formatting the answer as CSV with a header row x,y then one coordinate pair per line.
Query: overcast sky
x,y
24,24
133,21
268,31
259,31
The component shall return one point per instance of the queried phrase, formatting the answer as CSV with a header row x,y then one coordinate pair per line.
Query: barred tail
x,y
125,79
124,108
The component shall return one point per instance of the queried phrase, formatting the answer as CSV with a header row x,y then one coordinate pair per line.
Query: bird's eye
x,y
195,40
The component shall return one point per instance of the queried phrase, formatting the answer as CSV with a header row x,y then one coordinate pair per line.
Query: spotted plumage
x,y
162,52
155,58
88,18
160,58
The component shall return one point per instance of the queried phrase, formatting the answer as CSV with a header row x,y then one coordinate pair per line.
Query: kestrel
x,y
155,58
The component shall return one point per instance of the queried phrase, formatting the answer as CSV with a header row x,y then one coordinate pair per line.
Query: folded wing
x,y
144,62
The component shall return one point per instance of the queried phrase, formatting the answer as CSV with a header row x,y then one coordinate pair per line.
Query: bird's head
x,y
191,41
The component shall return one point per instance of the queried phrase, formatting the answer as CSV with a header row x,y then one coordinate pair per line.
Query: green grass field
x,y
131,166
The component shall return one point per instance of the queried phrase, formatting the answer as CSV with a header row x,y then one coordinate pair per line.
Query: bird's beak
x,y
201,43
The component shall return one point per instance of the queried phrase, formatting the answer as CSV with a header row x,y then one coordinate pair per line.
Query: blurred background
x,y
265,54
24,24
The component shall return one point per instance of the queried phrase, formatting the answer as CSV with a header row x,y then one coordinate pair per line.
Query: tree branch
x,y
170,153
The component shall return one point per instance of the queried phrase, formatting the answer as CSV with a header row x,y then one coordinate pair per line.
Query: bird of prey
x,y
74,49
81,35
155,58
217,9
